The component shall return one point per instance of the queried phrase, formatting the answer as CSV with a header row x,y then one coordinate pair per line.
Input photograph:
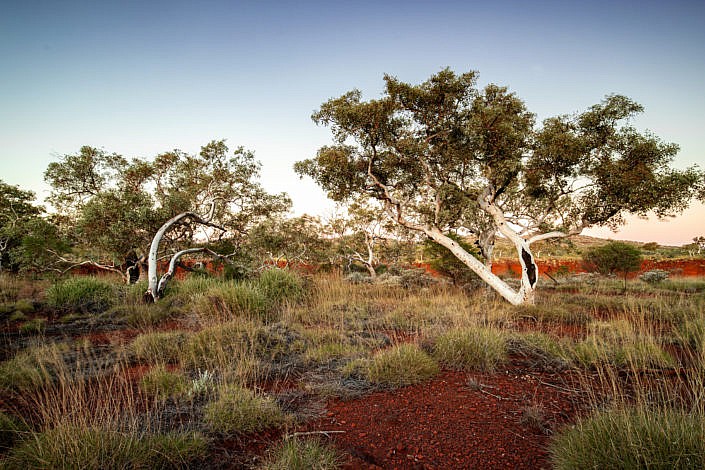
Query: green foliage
x,y
83,294
614,258
632,438
443,261
239,410
399,366
446,155
111,206
88,448
654,276
477,348
294,453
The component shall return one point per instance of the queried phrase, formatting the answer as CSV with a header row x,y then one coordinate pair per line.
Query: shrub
x,y
471,348
84,294
654,276
158,347
633,438
88,448
239,410
400,365
302,454
613,258
162,383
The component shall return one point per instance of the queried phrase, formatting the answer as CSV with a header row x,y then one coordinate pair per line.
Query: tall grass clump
x,y
302,454
83,294
227,300
632,438
96,448
159,347
32,368
239,411
401,365
479,348
280,285
162,383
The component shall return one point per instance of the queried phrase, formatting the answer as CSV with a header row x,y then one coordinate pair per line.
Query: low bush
x,y
240,411
83,294
632,438
401,365
654,276
88,448
546,350
471,348
302,454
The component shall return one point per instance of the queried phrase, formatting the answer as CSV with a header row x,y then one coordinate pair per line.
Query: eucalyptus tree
x,y
125,208
22,229
446,155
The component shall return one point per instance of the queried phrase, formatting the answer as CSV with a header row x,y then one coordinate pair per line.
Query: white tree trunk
x,y
152,294
485,273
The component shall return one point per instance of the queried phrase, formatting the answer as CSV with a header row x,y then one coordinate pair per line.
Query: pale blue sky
x,y
139,78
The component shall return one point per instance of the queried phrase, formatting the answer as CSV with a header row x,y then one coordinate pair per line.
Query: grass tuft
x,y
84,294
239,411
401,365
302,454
479,348
632,438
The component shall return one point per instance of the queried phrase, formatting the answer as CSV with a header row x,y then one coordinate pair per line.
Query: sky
x,y
142,77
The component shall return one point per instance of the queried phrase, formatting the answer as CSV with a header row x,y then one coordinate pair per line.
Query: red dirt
x,y
445,423
677,267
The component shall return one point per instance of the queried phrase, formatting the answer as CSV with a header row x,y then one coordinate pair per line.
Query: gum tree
x,y
446,155
130,210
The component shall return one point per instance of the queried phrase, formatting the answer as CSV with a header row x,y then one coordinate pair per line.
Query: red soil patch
x,y
447,423
677,267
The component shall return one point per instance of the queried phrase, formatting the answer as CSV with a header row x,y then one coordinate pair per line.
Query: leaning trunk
x,y
485,273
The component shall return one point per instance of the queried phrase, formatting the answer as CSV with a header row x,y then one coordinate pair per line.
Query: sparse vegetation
x,y
400,365
302,454
239,410
82,294
479,348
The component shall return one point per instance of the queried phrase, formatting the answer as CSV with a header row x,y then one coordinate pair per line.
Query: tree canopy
x,y
114,206
446,155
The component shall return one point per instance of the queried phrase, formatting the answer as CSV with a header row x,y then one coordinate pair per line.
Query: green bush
x,y
84,294
635,438
401,365
86,448
471,349
239,411
302,454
